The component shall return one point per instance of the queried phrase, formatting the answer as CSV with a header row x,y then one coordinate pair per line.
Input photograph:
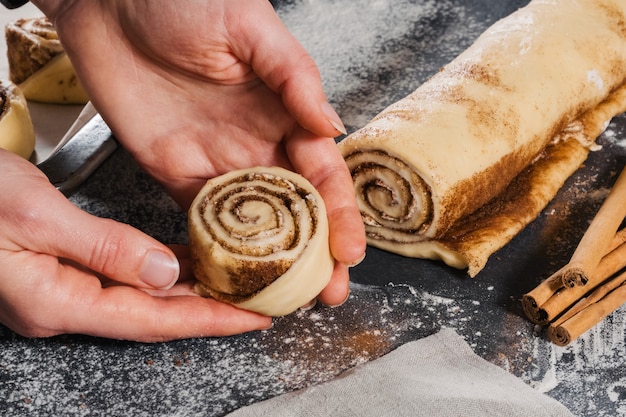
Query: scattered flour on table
x,y
593,355
372,52
613,137
309,347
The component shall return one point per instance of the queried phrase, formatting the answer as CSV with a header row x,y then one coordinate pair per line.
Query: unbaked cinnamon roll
x,y
426,167
39,65
16,128
259,240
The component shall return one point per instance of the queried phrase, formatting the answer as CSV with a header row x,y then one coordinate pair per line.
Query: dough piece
x,y
16,128
426,163
259,240
39,65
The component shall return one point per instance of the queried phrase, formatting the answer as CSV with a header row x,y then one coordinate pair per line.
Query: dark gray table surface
x,y
370,53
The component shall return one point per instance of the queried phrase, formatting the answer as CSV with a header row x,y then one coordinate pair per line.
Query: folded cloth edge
x,y
439,375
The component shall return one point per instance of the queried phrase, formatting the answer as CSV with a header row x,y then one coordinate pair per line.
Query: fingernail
x,y
159,270
309,305
358,261
333,118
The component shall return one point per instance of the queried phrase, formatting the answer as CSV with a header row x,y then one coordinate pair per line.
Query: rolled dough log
x,y
427,163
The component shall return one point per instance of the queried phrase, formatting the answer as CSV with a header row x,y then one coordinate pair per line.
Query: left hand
x,y
64,271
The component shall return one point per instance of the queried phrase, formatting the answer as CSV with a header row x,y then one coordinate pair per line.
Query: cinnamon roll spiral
x,y
39,65
395,203
259,240
16,128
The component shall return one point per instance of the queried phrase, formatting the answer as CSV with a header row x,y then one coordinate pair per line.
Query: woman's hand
x,y
195,89
65,271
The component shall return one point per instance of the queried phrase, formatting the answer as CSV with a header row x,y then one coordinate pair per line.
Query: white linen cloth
x,y
439,375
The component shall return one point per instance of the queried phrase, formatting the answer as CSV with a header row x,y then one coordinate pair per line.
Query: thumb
x,y
116,250
126,255
285,66
37,217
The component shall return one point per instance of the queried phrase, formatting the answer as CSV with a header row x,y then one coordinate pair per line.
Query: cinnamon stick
x,y
618,239
589,312
594,243
533,301
596,296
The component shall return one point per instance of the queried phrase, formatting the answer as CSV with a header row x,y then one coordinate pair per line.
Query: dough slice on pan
x,y
39,65
16,128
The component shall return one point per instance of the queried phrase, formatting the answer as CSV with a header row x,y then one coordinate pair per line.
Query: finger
x,y
319,160
123,312
286,67
127,313
115,250
338,290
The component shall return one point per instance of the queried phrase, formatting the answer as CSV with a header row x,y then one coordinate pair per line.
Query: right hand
x,y
65,271
199,88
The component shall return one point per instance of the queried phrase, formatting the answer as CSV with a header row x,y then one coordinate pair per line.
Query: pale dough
x,y
430,160
16,128
259,240
39,65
